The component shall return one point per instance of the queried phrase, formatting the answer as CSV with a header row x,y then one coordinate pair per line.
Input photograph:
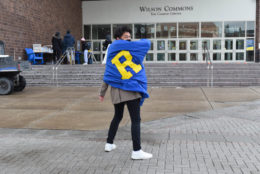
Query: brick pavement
x,y
222,141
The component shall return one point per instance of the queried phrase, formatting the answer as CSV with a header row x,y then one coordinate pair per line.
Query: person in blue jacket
x,y
68,42
126,75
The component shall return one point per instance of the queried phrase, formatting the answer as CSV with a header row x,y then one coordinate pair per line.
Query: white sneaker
x,y
109,147
85,63
139,155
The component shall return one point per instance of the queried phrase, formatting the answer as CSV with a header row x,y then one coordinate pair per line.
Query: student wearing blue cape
x,y
125,74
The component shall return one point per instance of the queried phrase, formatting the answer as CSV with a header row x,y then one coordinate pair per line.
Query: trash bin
x,y
77,57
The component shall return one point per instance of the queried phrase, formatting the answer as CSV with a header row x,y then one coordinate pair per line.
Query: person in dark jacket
x,y
68,42
107,42
56,46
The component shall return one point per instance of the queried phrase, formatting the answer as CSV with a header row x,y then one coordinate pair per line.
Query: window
x,y
206,44
234,29
100,31
160,45
160,56
250,29
239,56
183,56
216,56
97,57
172,45
193,56
166,30
240,44
250,56
2,48
149,57
217,44
211,29
193,45
87,32
187,30
96,46
229,44
144,31
228,56
151,48
183,45
171,56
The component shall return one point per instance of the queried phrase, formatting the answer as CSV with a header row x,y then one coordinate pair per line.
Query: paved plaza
x,y
223,138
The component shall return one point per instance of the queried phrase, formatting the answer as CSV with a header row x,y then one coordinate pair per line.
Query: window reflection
x,y
239,44
250,56
100,31
87,32
187,30
234,29
183,45
211,29
193,45
96,46
172,45
239,56
2,48
166,30
160,45
217,44
183,56
97,57
151,48
144,31
250,29
149,57
216,56
193,56
229,44
228,56
206,44
171,56
160,56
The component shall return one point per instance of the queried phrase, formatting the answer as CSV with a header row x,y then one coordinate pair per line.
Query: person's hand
x,y
101,98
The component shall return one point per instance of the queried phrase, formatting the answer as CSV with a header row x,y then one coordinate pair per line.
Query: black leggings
x,y
134,111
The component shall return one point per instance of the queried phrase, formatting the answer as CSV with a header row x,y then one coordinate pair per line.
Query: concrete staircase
x,y
159,74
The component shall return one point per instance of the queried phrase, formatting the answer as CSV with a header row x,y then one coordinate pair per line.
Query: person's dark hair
x,y
68,31
121,30
57,34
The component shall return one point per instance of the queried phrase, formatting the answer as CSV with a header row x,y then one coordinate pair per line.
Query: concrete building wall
x,y
23,23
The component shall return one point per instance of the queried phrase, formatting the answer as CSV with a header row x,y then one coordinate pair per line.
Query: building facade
x,y
27,22
180,30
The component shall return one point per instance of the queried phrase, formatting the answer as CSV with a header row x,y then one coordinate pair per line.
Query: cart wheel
x,y
6,86
22,84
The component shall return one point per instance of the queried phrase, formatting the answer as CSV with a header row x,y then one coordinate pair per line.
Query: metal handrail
x,y
55,67
209,64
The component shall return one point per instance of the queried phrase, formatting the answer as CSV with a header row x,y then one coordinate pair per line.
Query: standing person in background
x,y
106,45
128,86
68,42
85,50
56,46
107,42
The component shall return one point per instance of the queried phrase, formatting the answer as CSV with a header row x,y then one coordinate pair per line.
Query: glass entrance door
x,y
234,49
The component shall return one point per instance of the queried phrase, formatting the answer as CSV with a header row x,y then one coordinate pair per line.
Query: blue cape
x,y
124,66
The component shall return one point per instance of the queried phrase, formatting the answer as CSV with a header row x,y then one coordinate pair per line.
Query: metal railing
x,y
70,55
209,64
